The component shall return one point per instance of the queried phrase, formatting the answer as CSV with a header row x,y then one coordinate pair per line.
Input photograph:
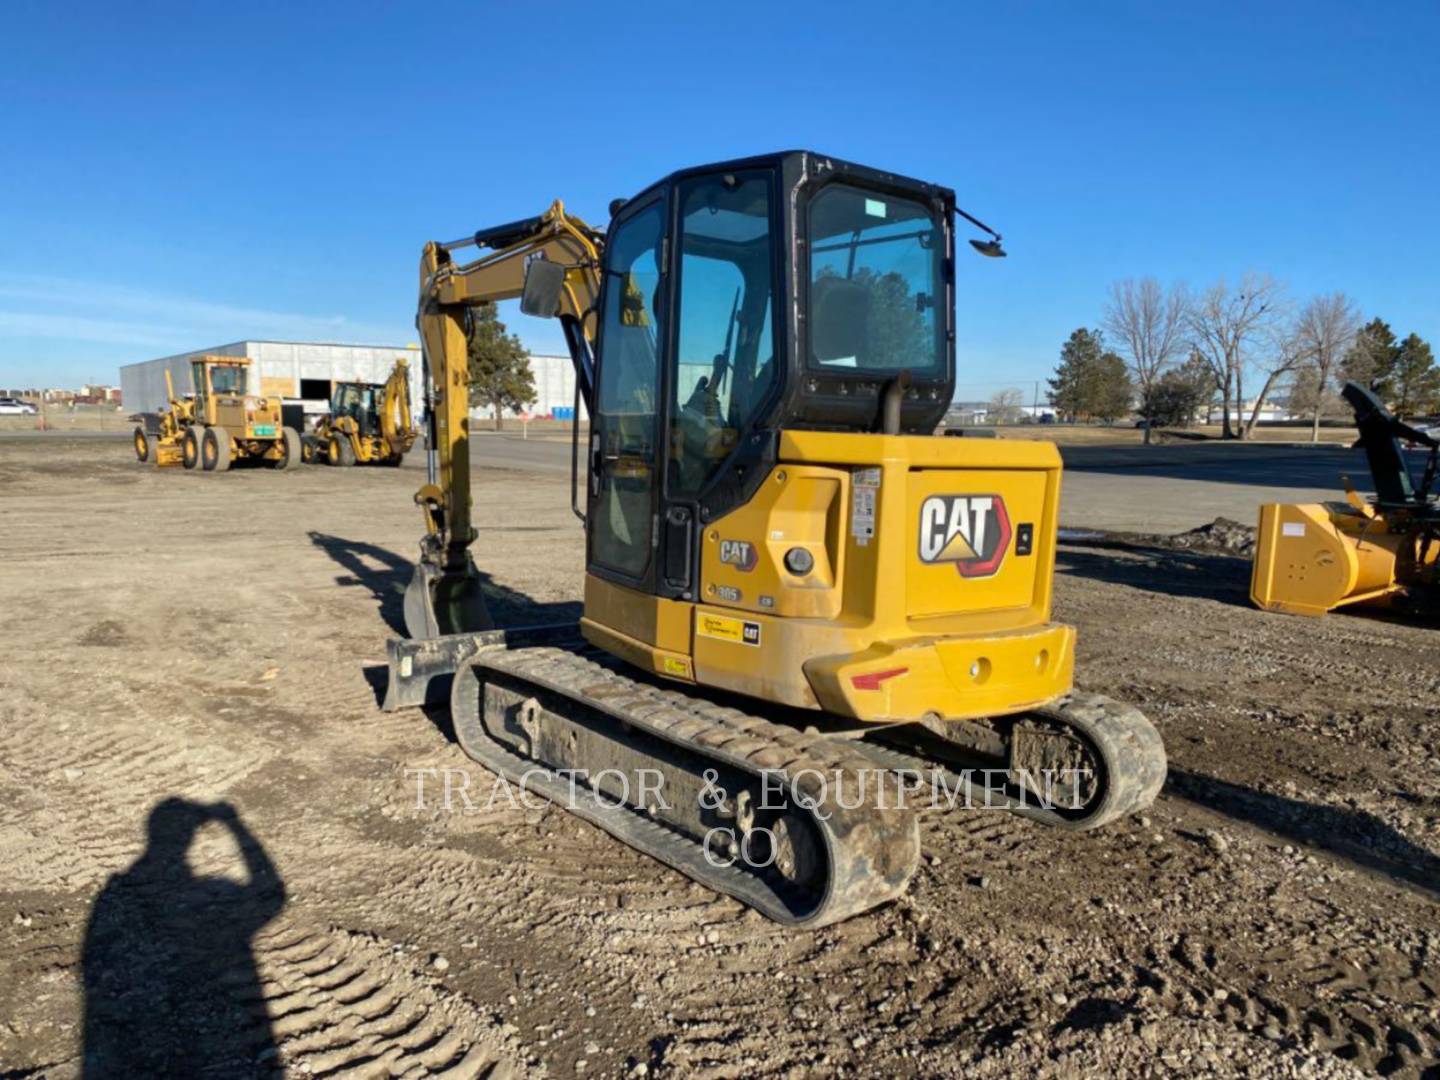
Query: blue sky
x,y
182,175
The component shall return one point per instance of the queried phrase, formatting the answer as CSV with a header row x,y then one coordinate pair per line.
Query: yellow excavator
x,y
368,423
800,605
1311,558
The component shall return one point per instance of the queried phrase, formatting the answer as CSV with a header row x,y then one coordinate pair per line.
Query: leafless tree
x,y
1228,327
1005,406
1147,327
1324,332
1278,353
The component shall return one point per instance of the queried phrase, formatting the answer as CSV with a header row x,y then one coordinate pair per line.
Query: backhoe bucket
x,y
438,602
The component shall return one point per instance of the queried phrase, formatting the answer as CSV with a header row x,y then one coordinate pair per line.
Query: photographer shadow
x,y
171,987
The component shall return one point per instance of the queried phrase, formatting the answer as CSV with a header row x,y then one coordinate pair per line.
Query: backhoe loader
x,y
1311,558
368,423
219,424
799,603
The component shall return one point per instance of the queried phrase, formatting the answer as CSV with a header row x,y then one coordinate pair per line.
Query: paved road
x,y
1173,488
1131,488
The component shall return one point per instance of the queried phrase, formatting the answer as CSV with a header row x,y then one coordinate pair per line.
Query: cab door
x,y
200,377
625,438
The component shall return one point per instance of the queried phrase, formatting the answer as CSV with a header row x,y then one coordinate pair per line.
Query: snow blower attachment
x,y
1311,558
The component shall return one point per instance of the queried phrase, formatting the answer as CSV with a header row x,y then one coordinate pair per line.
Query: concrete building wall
x,y
554,386
277,368
285,368
142,385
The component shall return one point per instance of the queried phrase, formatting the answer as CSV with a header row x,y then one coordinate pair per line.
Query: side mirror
x,y
544,281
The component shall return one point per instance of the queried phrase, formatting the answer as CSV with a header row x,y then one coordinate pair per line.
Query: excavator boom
x,y
445,595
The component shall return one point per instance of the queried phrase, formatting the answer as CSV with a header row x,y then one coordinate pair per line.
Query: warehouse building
x,y
308,371
554,388
288,369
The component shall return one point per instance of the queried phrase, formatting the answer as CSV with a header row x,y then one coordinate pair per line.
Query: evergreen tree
x,y
1414,379
500,375
1113,394
1371,360
1090,381
1069,388
1175,398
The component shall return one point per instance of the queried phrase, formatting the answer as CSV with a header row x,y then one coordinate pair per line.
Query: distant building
x,y
1271,412
308,372
287,369
962,413
554,388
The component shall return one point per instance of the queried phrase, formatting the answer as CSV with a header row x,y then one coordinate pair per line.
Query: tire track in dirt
x,y
343,1004
71,785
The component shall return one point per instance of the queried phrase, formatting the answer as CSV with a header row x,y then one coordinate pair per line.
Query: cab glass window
x,y
227,380
626,396
724,363
875,283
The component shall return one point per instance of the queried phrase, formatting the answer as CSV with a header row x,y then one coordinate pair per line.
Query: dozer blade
x,y
420,670
439,602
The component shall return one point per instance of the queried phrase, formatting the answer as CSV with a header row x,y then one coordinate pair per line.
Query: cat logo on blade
x,y
972,531
739,554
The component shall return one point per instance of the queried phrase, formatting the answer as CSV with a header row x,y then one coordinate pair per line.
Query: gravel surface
x,y
201,805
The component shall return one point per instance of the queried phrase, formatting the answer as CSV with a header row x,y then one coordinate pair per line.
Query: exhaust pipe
x,y
893,399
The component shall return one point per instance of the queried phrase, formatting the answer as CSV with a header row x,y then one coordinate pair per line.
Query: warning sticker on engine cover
x,y
866,482
1293,528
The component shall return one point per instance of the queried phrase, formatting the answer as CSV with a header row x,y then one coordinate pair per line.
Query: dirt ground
x,y
179,644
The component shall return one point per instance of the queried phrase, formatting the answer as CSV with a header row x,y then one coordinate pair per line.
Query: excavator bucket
x,y
440,602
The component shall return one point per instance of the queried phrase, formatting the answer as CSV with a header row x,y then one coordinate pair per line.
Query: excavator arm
x,y
396,424
552,264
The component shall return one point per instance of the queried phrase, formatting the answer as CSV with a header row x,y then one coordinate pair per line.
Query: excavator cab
x,y
765,347
709,347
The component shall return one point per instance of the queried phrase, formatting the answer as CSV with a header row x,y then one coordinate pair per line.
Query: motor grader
x,y
1311,558
368,423
218,424
799,602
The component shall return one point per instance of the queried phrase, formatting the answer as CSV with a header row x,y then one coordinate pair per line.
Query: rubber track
x,y
1131,748
873,850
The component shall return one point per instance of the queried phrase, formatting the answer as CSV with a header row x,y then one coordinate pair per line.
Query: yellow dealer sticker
x,y
673,666
727,629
